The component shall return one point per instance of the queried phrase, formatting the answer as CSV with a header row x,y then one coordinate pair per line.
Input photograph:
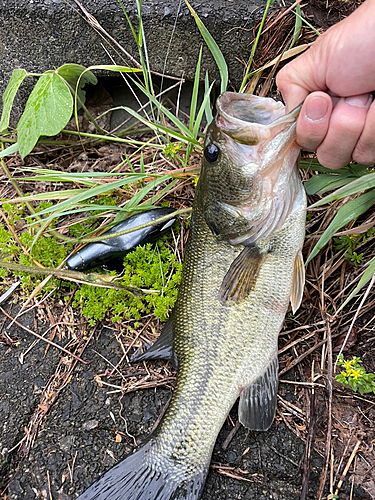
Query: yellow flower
x,y
356,374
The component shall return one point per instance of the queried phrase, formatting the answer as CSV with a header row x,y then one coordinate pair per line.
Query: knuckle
x,y
363,156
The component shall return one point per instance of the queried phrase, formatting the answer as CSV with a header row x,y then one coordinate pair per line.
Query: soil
x,y
79,439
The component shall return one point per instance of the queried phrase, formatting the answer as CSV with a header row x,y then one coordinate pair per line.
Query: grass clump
x,y
148,267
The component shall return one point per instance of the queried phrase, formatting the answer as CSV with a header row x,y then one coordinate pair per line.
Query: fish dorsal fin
x,y
241,276
162,348
257,406
298,284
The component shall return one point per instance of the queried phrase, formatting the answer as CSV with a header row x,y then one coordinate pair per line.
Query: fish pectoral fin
x,y
162,348
298,284
257,406
241,276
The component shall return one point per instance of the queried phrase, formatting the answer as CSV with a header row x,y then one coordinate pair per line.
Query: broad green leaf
x,y
72,73
214,49
352,210
9,150
15,81
361,184
367,275
48,109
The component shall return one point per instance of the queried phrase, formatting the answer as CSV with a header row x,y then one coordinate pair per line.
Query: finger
x,y
313,121
347,122
364,151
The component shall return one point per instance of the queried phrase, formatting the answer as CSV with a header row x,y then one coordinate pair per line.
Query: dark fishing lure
x,y
105,251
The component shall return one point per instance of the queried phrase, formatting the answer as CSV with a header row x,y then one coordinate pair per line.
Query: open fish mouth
x,y
249,119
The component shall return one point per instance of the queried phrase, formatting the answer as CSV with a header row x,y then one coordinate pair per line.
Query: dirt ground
x,y
79,439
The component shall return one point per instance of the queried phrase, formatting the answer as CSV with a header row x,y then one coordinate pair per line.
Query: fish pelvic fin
x,y
162,348
241,277
298,284
257,406
136,478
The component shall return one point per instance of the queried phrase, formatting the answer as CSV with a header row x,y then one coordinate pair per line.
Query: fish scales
x,y
224,337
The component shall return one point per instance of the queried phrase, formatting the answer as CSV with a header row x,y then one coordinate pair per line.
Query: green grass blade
x,y
89,193
352,210
194,96
214,49
207,109
321,183
181,127
128,20
361,184
202,108
367,275
297,26
161,128
9,150
255,45
138,197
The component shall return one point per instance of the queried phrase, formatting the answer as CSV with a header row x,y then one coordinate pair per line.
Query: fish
x,y
110,250
243,265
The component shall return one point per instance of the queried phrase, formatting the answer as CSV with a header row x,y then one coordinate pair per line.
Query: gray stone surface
x,y
42,34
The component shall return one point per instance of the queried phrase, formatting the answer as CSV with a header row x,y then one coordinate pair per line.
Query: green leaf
x,y
201,110
161,128
72,73
361,184
9,150
321,183
89,193
367,275
297,26
352,210
194,96
207,109
48,109
15,81
214,49
183,129
115,68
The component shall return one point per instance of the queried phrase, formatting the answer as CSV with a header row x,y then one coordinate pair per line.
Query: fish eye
x,y
211,153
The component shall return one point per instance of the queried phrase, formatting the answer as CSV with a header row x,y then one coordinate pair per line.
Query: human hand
x,y
335,78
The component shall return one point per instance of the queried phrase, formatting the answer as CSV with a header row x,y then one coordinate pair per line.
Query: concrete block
x,y
43,34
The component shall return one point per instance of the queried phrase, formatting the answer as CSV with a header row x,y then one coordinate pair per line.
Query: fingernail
x,y
316,109
360,101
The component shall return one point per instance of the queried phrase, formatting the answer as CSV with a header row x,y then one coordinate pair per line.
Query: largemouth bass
x,y
242,266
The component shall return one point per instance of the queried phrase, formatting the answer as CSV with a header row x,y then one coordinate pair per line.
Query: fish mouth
x,y
250,119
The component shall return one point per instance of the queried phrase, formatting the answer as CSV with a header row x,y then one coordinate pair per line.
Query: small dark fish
x,y
104,251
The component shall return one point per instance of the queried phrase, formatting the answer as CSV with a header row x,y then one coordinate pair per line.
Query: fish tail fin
x,y
137,478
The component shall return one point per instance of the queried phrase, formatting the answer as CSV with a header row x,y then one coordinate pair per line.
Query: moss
x,y
147,267
150,267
